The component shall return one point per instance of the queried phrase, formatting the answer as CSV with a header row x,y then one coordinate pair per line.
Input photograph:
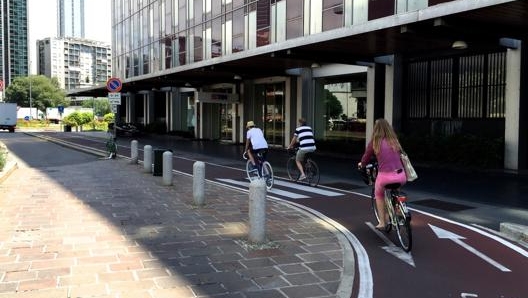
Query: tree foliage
x,y
78,119
45,92
332,104
100,105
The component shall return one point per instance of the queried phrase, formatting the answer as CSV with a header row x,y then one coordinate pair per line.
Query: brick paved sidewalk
x,y
106,229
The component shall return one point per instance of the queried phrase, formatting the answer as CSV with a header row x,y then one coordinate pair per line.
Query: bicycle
x,y
311,170
395,204
111,147
263,169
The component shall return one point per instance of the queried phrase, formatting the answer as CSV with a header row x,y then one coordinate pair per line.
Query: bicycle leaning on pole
x,y
395,204
111,146
310,167
263,169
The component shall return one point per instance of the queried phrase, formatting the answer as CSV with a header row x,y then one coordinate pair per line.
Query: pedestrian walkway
x,y
107,229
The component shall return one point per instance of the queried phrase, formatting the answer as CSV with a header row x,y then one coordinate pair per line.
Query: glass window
x,y
198,12
294,18
333,16
238,30
345,109
216,38
198,44
263,23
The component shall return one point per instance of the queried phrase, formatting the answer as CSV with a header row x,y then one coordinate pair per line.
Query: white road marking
x,y
279,192
445,234
392,248
307,188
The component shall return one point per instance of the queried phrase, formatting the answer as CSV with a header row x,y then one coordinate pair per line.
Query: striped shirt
x,y
305,137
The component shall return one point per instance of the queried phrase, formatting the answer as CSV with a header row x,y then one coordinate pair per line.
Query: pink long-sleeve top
x,y
388,159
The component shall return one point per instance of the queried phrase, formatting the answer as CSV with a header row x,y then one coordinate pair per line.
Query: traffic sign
x,y
114,85
61,109
113,108
1,85
114,98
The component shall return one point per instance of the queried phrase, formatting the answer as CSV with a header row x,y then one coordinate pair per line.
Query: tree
x,y
45,92
333,105
100,105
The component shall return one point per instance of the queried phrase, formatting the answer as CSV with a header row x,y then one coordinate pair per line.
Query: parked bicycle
x,y
263,169
111,146
311,170
395,202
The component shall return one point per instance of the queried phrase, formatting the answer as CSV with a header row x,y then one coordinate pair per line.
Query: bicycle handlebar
x,y
245,155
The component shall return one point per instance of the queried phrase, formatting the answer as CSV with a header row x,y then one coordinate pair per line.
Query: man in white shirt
x,y
255,142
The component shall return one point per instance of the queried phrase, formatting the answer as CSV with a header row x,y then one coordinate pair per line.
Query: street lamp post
x,y
30,99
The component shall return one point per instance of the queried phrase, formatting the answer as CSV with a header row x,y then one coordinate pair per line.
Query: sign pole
x,y
114,85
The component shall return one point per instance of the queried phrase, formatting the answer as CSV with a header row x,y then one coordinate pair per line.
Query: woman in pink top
x,y
384,145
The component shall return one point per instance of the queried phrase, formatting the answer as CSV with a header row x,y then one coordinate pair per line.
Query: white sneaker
x,y
303,177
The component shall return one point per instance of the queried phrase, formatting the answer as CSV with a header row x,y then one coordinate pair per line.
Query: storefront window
x,y
345,112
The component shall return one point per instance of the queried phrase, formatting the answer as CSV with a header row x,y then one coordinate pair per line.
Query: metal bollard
x,y
134,152
257,211
147,159
167,168
199,183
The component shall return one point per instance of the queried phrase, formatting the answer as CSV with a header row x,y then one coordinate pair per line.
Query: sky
x,y
42,18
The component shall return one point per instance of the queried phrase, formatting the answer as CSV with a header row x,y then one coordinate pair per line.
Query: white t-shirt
x,y
257,139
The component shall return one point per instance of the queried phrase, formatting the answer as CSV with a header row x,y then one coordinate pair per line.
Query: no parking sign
x,y
114,85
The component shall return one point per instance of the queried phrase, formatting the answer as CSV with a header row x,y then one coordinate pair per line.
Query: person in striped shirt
x,y
304,136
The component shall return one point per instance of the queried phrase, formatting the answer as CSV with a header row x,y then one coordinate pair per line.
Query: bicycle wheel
x,y
251,172
403,226
111,149
267,173
293,171
312,172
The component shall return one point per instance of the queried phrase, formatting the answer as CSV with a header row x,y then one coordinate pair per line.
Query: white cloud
x,y
42,19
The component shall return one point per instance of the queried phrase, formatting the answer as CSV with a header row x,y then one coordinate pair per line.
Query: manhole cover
x,y
437,204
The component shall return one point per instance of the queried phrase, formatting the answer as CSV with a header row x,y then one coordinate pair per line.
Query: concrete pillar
x,y
512,117
199,183
134,151
147,159
257,211
167,168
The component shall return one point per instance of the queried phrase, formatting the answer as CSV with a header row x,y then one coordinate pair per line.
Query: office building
x,y
430,67
76,63
70,22
13,40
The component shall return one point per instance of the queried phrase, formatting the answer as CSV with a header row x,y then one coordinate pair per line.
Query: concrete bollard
x,y
147,159
257,211
199,183
134,152
167,168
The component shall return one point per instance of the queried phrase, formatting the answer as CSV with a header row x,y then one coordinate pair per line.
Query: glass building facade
x,y
415,78
13,40
71,18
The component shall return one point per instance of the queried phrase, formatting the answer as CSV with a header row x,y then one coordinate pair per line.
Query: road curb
x,y
516,232
10,166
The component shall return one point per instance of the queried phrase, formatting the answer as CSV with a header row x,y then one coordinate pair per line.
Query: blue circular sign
x,y
26,118
114,85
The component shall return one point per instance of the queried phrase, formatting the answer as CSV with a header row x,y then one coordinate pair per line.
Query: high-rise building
x,y
13,40
75,62
70,21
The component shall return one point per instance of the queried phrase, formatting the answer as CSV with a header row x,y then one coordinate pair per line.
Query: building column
x,y
130,102
393,92
512,133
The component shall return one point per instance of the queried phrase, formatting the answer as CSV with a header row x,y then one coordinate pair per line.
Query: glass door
x,y
226,121
273,113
